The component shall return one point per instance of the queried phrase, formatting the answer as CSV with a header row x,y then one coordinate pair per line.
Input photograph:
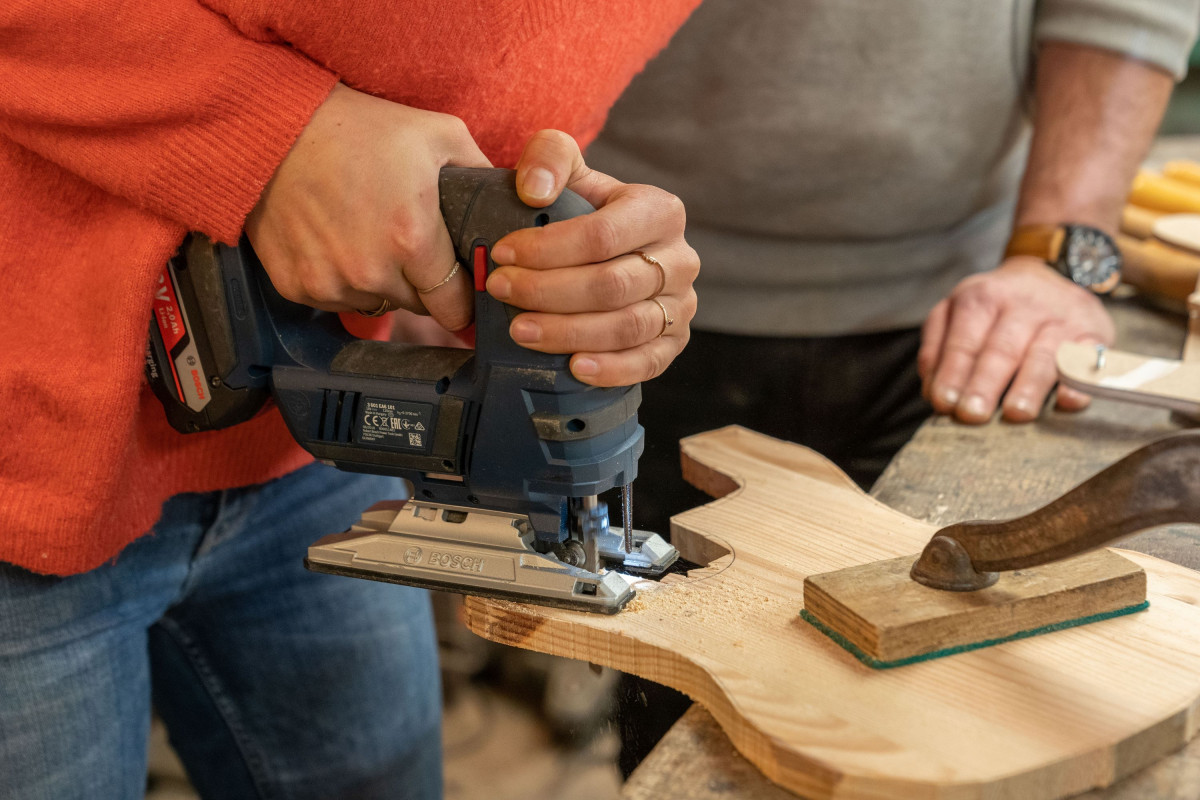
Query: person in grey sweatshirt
x,y
852,171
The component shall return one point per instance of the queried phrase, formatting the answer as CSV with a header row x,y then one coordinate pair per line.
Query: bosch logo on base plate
x,y
459,562
394,424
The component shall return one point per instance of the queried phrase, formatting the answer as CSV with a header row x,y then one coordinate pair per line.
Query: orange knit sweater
x,y
126,123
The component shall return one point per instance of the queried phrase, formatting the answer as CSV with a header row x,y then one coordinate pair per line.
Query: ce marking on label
x,y
375,420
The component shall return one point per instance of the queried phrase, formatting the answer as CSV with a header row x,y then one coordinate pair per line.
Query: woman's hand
x,y
351,217
585,287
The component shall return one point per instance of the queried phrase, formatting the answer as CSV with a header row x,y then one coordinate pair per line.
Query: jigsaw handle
x,y
1155,485
480,206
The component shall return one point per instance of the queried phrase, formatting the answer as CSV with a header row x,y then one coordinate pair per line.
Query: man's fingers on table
x,y
1036,376
933,333
622,329
1069,399
626,367
607,286
995,365
966,333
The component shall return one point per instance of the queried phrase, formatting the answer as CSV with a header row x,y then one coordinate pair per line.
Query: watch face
x,y
1091,258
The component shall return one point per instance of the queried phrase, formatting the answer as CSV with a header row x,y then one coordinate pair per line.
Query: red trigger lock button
x,y
480,258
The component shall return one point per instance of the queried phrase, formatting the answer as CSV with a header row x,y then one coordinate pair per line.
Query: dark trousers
x,y
854,399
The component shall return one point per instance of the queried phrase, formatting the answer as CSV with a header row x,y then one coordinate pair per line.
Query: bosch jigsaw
x,y
506,451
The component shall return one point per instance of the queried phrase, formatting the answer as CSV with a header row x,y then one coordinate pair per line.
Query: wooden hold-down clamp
x,y
985,582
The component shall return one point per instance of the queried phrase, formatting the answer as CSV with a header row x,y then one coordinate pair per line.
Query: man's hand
x,y
351,217
1005,326
586,289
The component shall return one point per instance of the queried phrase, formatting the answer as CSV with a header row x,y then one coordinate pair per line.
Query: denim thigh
x,y
74,673
274,682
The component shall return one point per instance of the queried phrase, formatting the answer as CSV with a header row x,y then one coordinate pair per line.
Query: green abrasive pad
x,y
875,663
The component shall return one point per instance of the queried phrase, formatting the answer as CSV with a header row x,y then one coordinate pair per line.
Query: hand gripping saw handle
x,y
503,427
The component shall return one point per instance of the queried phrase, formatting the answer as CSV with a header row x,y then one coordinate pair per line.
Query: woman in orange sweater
x,y
319,129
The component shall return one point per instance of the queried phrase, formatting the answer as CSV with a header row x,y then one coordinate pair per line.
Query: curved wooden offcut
x,y
1044,717
1161,382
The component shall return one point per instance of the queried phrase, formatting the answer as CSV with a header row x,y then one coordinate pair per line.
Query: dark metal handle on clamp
x,y
1156,485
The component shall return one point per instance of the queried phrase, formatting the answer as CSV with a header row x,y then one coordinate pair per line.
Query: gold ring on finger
x,y
453,271
662,272
384,308
667,320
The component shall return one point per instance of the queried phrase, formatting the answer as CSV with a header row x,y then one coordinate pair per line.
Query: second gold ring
x,y
668,320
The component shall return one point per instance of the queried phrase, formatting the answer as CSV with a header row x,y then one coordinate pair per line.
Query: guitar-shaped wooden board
x,y
1043,717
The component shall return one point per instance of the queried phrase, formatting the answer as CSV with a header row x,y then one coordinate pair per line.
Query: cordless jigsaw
x,y
506,451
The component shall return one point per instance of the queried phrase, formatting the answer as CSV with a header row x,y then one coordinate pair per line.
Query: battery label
x,y
395,424
174,328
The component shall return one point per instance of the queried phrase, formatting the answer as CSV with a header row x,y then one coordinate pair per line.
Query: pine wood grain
x,y
1039,718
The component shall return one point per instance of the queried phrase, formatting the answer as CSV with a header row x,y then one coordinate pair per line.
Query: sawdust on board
x,y
703,602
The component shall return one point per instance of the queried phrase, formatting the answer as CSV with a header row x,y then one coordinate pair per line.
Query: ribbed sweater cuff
x,y
213,172
1160,32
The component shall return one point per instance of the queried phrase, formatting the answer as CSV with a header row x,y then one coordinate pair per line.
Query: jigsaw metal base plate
x,y
476,591
481,552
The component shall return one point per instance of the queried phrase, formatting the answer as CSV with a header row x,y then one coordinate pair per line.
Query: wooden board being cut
x,y
1043,717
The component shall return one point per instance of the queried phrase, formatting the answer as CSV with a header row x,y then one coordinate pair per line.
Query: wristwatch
x,y
1087,256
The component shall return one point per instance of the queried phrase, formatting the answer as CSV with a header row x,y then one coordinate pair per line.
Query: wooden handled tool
x,y
1156,485
978,584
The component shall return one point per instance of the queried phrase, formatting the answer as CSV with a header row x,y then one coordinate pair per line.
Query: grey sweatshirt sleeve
x,y
1160,32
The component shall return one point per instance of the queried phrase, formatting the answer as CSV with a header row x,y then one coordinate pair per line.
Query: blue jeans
x,y
274,682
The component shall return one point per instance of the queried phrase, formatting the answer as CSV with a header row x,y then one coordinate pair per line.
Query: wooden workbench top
x,y
950,472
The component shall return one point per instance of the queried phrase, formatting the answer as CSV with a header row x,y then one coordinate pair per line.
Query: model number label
x,y
394,424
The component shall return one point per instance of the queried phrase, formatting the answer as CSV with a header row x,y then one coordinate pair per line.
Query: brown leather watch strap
x,y
1040,241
